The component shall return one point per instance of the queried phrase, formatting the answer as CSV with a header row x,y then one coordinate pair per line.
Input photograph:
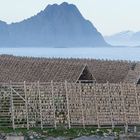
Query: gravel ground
x,y
82,138
122,137
95,138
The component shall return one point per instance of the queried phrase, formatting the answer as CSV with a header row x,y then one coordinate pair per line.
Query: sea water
x,y
113,53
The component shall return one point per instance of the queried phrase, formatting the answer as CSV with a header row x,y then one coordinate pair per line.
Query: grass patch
x,y
117,130
71,133
19,130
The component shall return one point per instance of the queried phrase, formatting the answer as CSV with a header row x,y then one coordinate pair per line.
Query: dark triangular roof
x,y
86,75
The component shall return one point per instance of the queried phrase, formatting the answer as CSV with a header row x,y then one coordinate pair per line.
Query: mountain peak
x,y
61,5
65,6
58,25
62,12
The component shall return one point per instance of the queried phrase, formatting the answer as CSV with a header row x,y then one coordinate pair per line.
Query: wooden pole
x,y
81,104
40,104
137,103
67,99
26,105
135,129
12,107
53,101
123,102
110,105
96,106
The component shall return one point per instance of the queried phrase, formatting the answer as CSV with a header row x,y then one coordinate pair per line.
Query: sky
x,y
108,16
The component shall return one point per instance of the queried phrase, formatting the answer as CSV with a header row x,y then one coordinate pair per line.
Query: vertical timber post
x,y
53,101
123,102
40,104
67,99
135,129
12,107
81,104
96,107
26,105
110,105
137,103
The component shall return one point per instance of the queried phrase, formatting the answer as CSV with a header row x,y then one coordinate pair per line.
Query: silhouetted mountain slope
x,y
4,33
58,25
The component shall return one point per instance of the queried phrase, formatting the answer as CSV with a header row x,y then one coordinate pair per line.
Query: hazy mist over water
x,y
120,53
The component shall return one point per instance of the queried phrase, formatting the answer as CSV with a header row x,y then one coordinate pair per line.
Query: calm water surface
x,y
124,53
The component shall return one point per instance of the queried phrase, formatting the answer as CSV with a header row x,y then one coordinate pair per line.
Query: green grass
x,y
72,133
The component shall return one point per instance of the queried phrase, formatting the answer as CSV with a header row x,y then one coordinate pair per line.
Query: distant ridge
x,y
56,26
127,38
